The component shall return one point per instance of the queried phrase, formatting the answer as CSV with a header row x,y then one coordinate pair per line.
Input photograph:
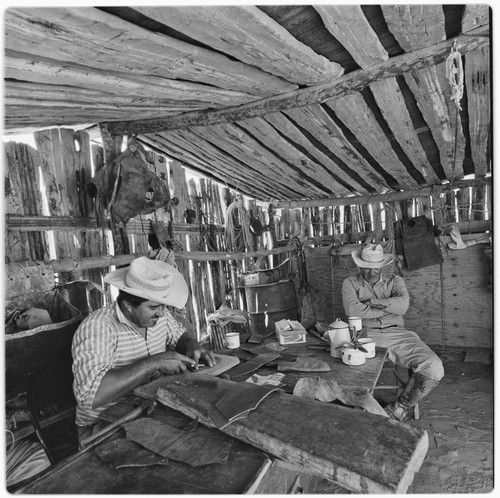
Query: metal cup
x,y
355,321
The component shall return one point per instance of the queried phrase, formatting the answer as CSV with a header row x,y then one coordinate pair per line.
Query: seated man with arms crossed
x,y
381,301
133,340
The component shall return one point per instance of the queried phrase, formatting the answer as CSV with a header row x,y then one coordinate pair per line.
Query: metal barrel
x,y
269,303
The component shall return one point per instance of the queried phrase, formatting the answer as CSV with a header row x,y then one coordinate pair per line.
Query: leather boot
x,y
416,389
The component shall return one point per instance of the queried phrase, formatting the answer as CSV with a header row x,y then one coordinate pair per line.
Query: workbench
x,y
360,378
248,468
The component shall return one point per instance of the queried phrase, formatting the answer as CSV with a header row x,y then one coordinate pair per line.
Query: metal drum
x,y
269,303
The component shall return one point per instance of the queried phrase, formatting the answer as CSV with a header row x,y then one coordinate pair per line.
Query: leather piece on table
x,y
252,364
149,390
121,453
328,390
238,402
241,354
257,349
189,447
304,364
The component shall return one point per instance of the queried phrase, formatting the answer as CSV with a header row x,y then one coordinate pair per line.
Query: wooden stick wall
x,y
51,217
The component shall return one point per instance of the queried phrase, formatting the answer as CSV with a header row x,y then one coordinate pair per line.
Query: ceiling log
x,y
477,77
248,151
263,43
197,151
354,81
22,66
324,147
42,31
392,105
267,134
348,24
353,110
324,129
432,92
385,197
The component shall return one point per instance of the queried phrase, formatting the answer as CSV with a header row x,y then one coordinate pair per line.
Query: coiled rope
x,y
455,75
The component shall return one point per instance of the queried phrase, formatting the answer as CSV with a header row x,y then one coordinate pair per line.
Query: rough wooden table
x,y
358,380
248,469
86,473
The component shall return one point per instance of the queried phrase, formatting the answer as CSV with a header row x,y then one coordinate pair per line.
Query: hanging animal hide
x,y
127,187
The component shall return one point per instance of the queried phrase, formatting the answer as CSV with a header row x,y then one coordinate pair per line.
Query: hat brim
x,y
356,256
176,298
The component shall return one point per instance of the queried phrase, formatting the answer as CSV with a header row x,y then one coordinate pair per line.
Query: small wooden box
x,y
290,332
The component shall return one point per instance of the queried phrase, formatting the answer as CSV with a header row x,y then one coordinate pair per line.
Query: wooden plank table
x,y
359,450
248,467
359,379
86,473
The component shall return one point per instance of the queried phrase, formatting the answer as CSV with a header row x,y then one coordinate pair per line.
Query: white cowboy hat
x,y
153,280
371,256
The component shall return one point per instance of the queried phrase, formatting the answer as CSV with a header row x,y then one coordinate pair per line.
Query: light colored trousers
x,y
406,349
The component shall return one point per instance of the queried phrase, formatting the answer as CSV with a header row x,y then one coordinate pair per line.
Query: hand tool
x,y
317,334
323,347
194,367
141,407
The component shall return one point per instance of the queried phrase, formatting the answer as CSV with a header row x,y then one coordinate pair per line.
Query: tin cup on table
x,y
233,340
355,321
369,345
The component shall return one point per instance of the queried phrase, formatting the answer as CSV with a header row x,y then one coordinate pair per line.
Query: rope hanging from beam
x,y
455,75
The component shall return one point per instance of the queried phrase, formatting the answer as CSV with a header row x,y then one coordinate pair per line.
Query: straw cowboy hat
x,y
371,256
153,280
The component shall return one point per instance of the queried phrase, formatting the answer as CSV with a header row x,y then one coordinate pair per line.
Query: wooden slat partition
x,y
22,197
68,160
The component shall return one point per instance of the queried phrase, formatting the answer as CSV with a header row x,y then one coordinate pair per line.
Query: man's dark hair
x,y
130,298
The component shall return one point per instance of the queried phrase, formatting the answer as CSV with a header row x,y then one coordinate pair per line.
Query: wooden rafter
x,y
354,81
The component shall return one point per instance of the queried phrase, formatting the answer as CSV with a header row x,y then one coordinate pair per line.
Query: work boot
x,y
417,388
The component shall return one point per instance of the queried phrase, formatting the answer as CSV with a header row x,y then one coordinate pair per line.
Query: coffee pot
x,y
338,333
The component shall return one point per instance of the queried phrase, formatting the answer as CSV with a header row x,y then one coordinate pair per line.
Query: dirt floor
x,y
458,415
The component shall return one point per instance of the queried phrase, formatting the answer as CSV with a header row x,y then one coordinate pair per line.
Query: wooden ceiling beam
x,y
374,198
354,81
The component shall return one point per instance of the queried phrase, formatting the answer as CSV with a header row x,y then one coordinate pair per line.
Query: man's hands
x,y
170,363
191,348
189,353
376,306
195,352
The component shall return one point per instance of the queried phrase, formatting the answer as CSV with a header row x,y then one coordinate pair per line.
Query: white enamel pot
x,y
352,356
338,333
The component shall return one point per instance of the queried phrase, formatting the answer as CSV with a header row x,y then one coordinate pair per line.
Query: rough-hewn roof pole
x,y
386,197
354,81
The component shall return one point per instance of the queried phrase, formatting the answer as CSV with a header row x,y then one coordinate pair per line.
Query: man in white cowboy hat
x,y
381,301
133,340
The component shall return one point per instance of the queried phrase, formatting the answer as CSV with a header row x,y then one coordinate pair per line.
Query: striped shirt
x,y
106,339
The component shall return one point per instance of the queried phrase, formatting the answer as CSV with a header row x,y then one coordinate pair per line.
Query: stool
x,y
398,387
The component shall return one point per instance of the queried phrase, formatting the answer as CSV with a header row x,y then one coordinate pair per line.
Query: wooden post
x,y
22,196
112,149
